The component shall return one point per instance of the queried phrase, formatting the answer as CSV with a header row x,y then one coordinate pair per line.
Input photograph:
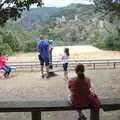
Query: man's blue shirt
x,y
43,49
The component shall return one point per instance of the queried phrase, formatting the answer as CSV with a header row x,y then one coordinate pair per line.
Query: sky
x,y
62,3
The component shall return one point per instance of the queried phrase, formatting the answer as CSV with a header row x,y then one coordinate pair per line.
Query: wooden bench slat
x,y
25,106
110,104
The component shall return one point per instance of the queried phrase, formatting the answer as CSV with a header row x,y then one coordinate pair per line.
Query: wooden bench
x,y
36,107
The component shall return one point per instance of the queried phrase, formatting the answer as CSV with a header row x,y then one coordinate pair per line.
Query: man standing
x,y
43,48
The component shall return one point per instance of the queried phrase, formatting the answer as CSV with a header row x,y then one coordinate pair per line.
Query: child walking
x,y
81,94
4,66
64,60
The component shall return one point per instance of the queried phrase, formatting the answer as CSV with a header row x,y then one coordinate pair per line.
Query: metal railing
x,y
89,63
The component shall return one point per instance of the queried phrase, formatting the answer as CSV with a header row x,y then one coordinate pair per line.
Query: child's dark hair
x,y
80,71
67,51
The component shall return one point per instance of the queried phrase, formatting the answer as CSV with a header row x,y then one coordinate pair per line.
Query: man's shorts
x,y
43,61
65,67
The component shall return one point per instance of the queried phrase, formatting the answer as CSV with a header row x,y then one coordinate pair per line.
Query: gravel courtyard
x,y
29,86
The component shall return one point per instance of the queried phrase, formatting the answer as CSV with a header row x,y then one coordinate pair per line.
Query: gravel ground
x,y
30,86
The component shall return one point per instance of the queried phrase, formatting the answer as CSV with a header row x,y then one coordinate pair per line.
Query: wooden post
x,y
94,114
114,65
36,115
94,66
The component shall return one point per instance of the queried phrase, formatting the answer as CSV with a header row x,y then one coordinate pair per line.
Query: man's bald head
x,y
42,37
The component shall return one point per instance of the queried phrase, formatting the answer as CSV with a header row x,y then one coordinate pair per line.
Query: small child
x,y
64,61
81,94
4,66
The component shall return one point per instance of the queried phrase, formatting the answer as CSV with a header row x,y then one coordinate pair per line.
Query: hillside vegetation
x,y
71,25
36,17
87,28
13,39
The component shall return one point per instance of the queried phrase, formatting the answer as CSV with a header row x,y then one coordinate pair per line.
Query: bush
x,y
30,46
113,42
5,49
12,41
100,44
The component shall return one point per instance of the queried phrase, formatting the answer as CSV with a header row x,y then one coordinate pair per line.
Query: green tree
x,y
5,49
12,9
73,35
113,42
30,46
11,41
110,10
108,6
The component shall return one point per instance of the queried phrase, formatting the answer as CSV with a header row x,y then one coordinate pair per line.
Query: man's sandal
x,y
82,117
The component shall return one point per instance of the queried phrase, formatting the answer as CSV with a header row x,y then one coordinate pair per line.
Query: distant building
x,y
60,20
76,17
57,20
63,19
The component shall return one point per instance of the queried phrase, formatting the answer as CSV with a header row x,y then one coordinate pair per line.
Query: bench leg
x,y
36,115
114,65
94,66
94,114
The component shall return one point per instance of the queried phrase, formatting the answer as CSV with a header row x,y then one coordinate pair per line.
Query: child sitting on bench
x,y
4,66
81,93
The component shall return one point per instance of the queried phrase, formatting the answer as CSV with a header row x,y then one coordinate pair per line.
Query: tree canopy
x,y
108,6
12,9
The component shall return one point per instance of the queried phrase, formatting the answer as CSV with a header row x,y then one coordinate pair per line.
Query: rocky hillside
x,y
36,17
75,23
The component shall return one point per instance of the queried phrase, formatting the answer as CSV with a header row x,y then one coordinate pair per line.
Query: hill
x,y
36,17
80,23
75,24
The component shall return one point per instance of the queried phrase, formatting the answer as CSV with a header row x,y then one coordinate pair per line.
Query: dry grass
x,y
73,55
